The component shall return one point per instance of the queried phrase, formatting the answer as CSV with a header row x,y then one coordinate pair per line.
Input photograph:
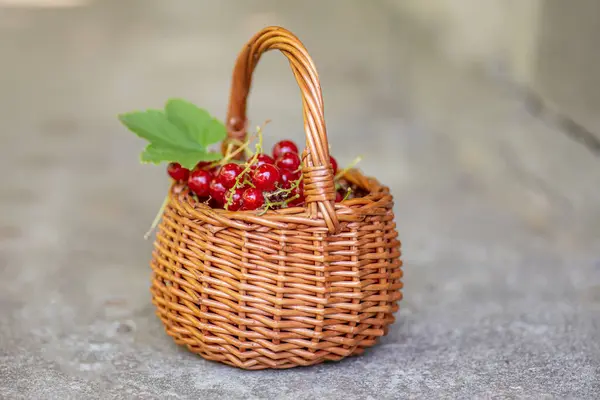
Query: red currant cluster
x,y
263,182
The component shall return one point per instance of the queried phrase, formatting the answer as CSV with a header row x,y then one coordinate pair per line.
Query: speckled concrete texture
x,y
498,210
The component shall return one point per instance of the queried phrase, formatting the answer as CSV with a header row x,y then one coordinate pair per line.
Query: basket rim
x,y
378,201
375,190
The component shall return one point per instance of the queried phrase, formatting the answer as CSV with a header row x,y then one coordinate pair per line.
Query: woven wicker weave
x,y
292,287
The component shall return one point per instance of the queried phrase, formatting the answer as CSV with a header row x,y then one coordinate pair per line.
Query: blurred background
x,y
481,115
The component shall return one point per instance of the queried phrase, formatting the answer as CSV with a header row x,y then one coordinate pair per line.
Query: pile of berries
x,y
263,182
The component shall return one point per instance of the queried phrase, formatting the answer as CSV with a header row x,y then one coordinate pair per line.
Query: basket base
x,y
253,356
260,362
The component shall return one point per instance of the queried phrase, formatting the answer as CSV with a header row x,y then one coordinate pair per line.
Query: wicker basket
x,y
292,287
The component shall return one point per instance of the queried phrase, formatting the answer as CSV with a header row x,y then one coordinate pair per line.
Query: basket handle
x,y
319,188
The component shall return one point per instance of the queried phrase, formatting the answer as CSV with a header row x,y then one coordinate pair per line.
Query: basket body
x,y
278,290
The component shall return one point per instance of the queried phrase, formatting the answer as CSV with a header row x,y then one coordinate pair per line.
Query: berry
x,y
265,177
334,165
212,203
263,159
284,146
199,182
287,177
252,199
215,170
289,161
338,196
236,199
299,190
177,172
228,174
203,165
217,192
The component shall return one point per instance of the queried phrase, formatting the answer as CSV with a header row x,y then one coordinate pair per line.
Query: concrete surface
x,y
498,209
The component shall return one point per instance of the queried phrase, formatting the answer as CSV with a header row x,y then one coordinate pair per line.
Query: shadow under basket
x,y
291,287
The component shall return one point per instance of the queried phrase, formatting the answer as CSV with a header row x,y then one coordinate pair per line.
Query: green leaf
x,y
154,126
181,134
215,133
188,159
197,124
156,155
211,156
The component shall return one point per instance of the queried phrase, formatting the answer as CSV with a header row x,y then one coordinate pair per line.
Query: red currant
x,y
266,176
284,146
252,199
212,203
217,192
177,172
289,161
334,165
203,165
235,197
215,170
287,177
228,174
199,182
297,191
263,159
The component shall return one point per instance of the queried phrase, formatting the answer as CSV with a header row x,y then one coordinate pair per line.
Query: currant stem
x,y
242,146
229,155
293,186
347,195
269,204
157,217
348,168
241,180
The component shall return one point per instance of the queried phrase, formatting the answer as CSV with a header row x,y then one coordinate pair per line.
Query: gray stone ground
x,y
498,210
